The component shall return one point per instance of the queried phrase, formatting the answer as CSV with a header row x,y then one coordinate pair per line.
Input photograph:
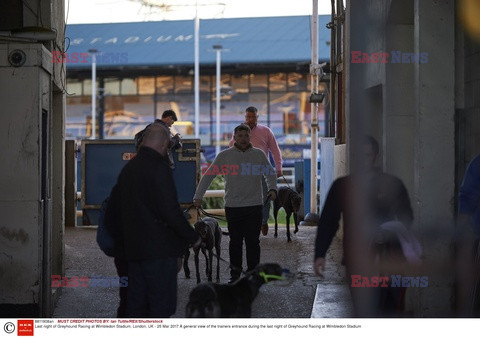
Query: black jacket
x,y
364,205
151,222
175,141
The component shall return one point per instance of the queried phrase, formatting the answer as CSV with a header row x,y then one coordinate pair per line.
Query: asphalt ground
x,y
84,258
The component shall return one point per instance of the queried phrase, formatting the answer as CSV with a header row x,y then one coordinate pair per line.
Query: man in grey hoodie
x,y
244,168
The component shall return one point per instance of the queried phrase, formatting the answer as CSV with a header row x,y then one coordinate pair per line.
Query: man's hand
x,y
197,203
176,141
319,266
279,173
272,194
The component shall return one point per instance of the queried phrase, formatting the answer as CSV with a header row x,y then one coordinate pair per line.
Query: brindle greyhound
x,y
211,235
289,200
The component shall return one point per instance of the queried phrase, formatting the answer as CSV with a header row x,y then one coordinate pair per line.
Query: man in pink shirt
x,y
262,137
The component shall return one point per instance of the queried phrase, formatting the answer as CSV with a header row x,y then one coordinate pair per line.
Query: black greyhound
x,y
209,300
209,230
289,200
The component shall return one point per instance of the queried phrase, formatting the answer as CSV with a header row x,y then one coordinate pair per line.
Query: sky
x,y
106,11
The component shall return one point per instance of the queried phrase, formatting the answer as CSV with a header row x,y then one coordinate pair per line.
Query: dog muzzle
x,y
285,279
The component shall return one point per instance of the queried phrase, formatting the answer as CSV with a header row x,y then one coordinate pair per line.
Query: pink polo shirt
x,y
262,137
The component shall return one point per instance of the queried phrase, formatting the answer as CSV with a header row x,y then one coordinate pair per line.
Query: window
x,y
204,84
128,87
240,84
74,87
183,105
298,82
146,85
87,87
183,84
278,82
127,115
164,84
289,109
78,115
258,83
112,86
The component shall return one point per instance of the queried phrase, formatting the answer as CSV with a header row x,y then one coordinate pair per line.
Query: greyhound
x,y
211,235
289,200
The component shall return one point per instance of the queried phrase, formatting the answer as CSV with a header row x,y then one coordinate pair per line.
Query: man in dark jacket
x,y
168,119
153,230
368,199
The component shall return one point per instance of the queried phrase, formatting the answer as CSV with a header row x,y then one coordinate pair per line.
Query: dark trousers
x,y
122,271
244,224
152,288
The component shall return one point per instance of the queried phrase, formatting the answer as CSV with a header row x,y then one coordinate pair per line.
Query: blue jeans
x,y
152,288
266,208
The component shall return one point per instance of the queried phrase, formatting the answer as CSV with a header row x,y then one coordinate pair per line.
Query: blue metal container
x,y
102,161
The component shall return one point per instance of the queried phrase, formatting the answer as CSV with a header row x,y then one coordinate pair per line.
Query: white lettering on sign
x,y
76,41
183,37
112,40
161,38
132,39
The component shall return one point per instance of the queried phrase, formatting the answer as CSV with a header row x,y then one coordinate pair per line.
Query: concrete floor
x,y
84,258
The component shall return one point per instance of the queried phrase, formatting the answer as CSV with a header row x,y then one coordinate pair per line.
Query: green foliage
x,y
218,183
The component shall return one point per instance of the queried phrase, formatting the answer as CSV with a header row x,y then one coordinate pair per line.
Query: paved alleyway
x,y
84,258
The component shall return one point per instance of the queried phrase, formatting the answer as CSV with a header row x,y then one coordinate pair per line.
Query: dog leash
x,y
200,211
288,185
207,214
286,277
229,264
266,277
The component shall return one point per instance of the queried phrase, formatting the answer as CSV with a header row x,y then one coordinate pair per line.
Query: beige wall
x,y
410,109
32,180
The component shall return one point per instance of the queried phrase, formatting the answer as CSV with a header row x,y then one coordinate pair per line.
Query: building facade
x,y
146,68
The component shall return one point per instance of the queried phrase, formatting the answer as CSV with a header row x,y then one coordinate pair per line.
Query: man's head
x,y
241,135
370,150
251,116
169,117
157,138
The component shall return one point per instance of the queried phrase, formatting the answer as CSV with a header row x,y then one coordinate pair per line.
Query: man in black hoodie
x,y
153,232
